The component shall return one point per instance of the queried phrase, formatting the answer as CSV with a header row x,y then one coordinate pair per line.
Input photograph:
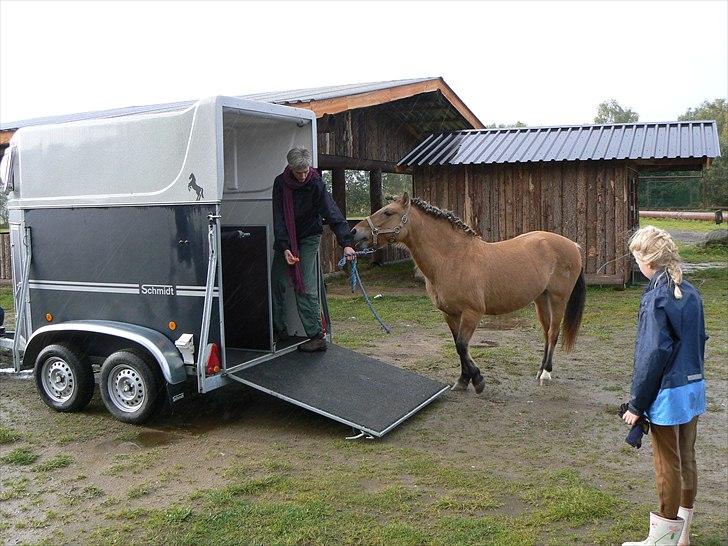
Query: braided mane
x,y
448,215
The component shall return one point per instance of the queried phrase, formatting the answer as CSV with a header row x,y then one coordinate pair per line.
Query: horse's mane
x,y
448,215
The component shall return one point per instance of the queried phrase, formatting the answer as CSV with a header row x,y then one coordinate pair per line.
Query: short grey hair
x,y
299,158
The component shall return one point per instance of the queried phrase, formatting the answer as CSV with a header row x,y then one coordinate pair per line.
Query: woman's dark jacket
x,y
668,384
311,202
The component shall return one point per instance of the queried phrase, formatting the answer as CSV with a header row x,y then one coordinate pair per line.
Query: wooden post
x,y
375,190
376,203
338,185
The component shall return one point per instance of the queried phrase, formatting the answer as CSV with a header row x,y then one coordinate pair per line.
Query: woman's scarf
x,y
291,183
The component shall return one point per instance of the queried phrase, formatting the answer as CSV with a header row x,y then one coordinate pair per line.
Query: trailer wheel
x,y
64,380
130,386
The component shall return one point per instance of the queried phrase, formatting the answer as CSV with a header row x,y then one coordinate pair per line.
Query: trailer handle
x,y
207,307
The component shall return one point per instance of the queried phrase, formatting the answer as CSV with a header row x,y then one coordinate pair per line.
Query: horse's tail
x,y
574,312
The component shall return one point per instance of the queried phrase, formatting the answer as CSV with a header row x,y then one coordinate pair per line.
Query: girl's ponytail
x,y
675,271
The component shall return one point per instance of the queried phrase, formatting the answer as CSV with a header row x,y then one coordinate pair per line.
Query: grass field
x,y
669,224
517,465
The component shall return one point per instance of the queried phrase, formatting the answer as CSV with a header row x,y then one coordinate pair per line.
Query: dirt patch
x,y
465,456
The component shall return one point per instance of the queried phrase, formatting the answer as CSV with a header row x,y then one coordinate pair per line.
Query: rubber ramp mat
x,y
346,386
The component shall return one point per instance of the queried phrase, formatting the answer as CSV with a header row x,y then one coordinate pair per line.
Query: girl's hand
x,y
290,258
630,418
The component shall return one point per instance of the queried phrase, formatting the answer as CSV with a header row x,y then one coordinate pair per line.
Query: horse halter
x,y
395,230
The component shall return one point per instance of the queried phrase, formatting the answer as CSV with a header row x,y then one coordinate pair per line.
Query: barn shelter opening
x,y
580,181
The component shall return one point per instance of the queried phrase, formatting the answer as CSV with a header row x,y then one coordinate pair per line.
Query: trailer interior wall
x,y
254,153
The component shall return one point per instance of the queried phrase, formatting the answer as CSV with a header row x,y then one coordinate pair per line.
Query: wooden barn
x,y
365,127
579,181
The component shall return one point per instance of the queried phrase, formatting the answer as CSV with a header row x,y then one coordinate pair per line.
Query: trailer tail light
x,y
213,359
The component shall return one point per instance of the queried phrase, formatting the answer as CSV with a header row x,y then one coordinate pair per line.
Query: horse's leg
x,y
558,306
543,312
468,323
453,321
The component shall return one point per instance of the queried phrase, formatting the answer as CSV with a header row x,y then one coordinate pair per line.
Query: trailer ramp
x,y
348,387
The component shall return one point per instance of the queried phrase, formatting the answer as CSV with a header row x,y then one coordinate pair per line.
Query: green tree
x,y
394,184
610,111
715,179
357,192
504,125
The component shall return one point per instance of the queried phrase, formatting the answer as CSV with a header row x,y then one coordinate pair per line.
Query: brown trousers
x,y
673,452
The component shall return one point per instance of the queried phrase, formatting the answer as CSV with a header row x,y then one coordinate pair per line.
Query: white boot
x,y
663,531
687,515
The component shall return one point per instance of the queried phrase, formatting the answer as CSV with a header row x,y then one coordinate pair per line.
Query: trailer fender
x,y
159,346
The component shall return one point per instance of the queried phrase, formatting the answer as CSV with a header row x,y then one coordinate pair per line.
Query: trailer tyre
x,y
64,380
130,386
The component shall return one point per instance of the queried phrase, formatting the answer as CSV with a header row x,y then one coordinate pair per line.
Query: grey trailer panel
x,y
138,265
345,386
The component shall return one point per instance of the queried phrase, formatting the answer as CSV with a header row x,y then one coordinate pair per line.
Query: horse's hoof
x,y
460,386
545,376
479,386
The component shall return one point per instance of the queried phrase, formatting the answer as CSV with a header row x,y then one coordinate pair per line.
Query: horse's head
x,y
388,225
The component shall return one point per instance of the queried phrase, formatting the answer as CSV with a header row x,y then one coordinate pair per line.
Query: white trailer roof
x,y
153,158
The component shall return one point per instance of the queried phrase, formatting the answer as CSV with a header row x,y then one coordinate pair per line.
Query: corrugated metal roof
x,y
670,140
277,97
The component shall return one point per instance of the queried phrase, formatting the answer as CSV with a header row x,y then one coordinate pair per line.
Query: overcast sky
x,y
542,63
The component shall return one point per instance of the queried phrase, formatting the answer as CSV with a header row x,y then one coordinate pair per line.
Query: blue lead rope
x,y
356,280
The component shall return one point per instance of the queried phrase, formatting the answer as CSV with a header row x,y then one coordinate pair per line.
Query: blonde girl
x,y
668,385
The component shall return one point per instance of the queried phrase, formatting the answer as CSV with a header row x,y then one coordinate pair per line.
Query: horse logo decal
x,y
193,186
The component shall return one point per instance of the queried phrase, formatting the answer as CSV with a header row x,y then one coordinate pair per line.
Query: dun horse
x,y
467,277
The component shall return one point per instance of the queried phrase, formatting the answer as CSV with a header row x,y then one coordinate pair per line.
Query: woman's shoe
x,y
687,515
313,345
663,532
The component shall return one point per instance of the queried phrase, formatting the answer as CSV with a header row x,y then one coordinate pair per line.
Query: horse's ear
x,y
405,199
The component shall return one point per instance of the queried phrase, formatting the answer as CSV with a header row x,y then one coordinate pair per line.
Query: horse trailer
x,y
142,250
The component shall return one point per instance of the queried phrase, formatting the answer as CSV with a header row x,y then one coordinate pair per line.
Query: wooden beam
x,y
375,190
331,162
670,164
338,186
382,96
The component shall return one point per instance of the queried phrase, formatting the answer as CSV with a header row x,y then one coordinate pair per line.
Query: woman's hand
x,y
350,253
290,258
630,418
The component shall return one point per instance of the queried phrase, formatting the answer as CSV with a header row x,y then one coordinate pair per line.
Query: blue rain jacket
x,y
668,384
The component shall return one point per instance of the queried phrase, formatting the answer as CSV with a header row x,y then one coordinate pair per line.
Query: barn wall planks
x,y
366,134
588,202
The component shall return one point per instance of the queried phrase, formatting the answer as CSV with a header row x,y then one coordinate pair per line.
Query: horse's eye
x,y
388,213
